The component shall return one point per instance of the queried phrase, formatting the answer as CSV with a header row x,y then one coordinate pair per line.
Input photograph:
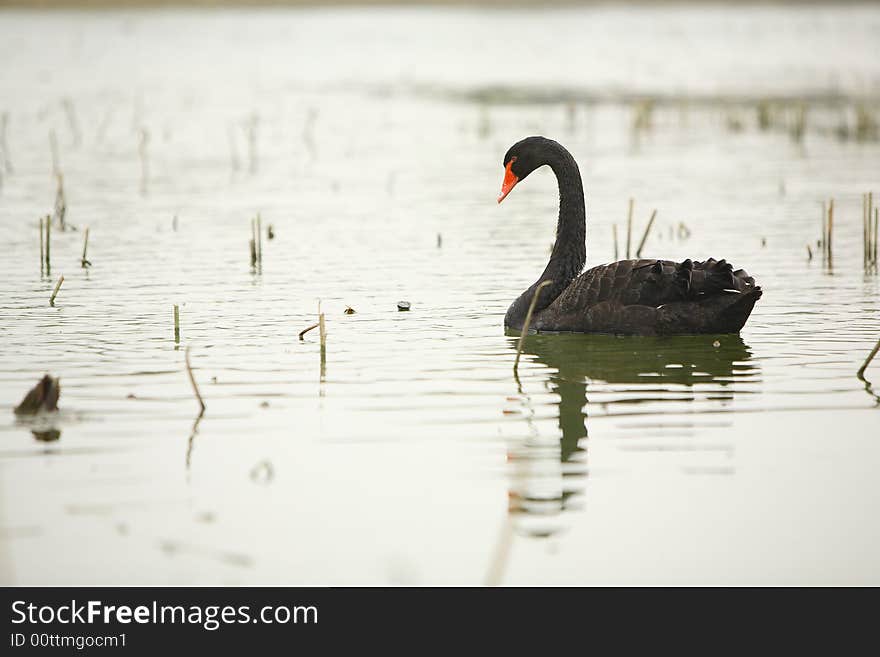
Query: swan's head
x,y
521,159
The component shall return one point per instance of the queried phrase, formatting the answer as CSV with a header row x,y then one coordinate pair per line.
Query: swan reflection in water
x,y
635,375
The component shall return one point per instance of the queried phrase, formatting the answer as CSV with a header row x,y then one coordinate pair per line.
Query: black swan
x,y
633,297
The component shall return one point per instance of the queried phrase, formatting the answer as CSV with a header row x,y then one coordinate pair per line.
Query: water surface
x,y
413,455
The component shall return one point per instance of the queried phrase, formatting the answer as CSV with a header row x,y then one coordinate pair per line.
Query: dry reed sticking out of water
x,y
869,232
645,234
307,329
861,372
527,322
55,291
258,233
614,232
827,231
42,250
629,221
192,380
176,324
60,202
84,262
48,244
256,244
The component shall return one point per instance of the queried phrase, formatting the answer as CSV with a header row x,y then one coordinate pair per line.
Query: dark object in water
x,y
47,436
403,305
42,397
270,232
636,297
349,310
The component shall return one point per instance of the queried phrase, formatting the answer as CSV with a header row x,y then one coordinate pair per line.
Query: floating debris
x,y
262,472
47,435
42,397
349,310
403,305
270,232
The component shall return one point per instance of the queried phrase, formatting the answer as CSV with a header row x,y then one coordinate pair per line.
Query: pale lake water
x,y
413,455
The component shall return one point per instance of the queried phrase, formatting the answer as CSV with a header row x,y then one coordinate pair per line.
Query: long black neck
x,y
570,250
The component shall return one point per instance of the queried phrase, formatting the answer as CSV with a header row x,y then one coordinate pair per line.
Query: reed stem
x,y
861,372
828,240
55,291
614,231
307,329
192,380
42,249
629,221
48,244
527,322
176,324
85,262
259,240
645,235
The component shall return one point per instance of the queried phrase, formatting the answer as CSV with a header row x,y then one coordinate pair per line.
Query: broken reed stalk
x,y
60,202
824,232
614,231
85,261
176,324
42,249
866,239
876,222
307,329
259,240
527,322
55,291
645,235
323,329
830,229
629,221
48,244
861,372
192,380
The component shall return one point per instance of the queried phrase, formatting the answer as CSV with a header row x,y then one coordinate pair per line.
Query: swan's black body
x,y
636,297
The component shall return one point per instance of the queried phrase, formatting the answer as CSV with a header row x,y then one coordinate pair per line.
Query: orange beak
x,y
509,183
